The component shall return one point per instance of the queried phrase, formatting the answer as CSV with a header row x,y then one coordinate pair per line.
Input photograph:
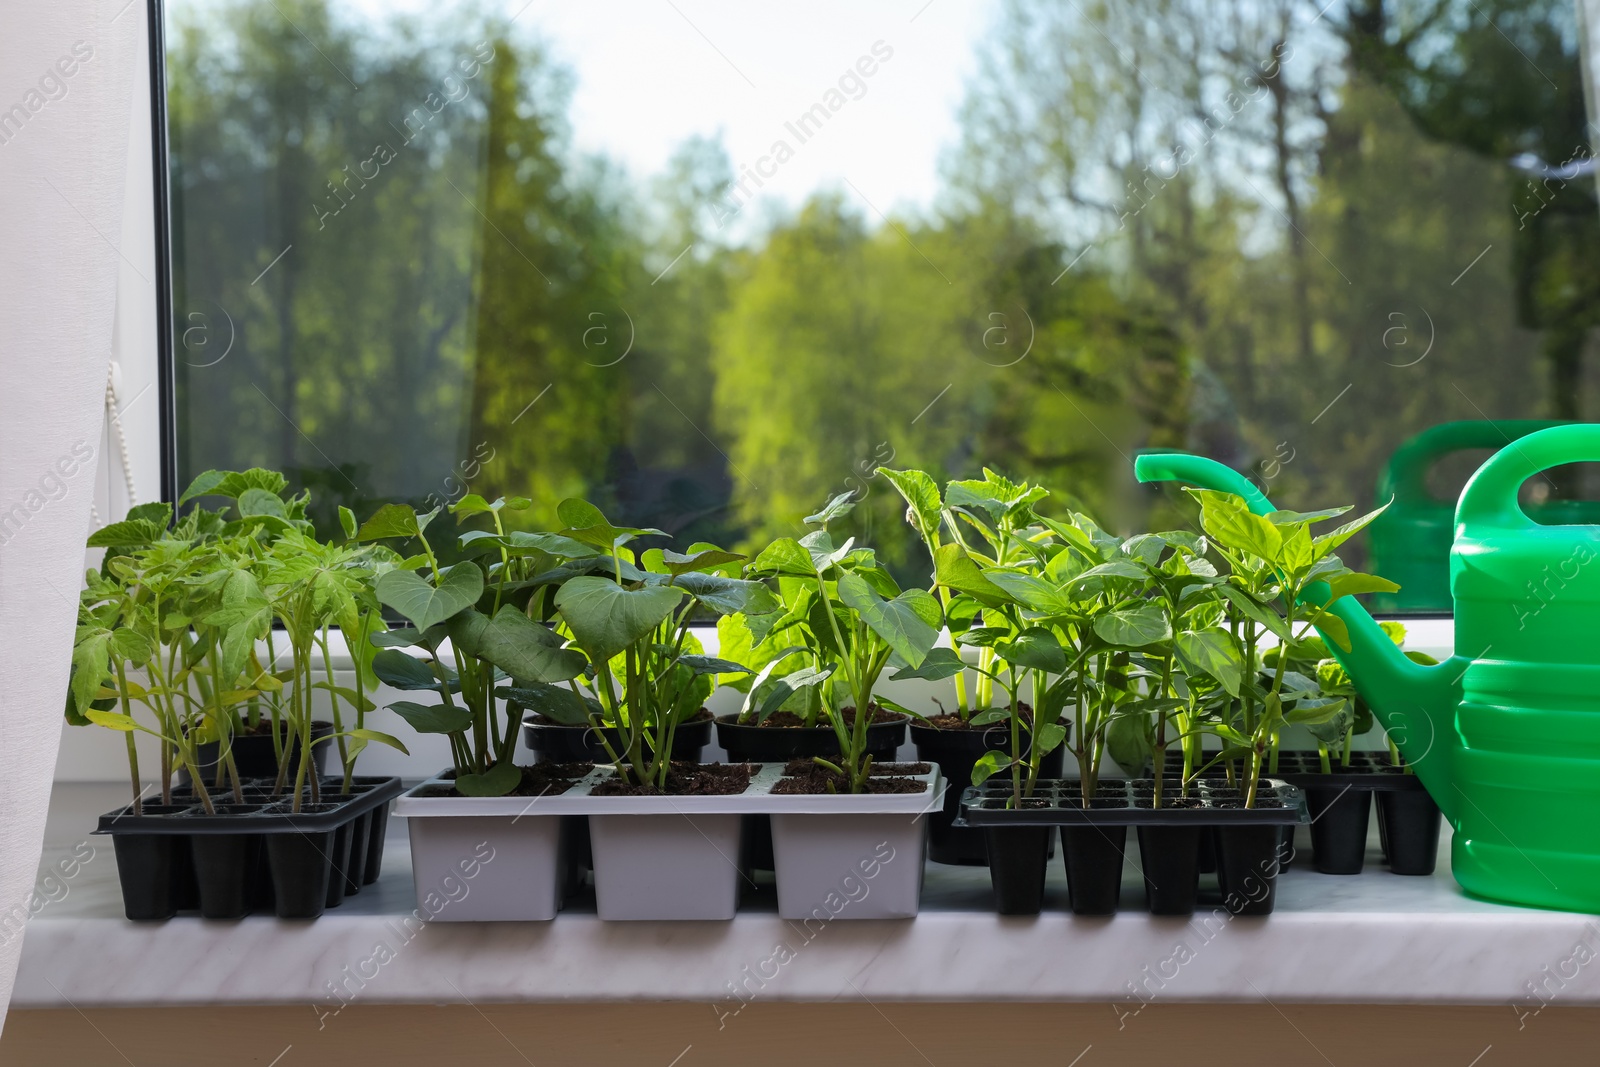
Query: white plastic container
x,y
665,866
839,856
483,859
849,866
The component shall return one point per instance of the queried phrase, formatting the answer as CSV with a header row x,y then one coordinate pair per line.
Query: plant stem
x,y
133,751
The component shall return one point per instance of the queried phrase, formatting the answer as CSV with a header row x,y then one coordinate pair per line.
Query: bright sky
x,y
650,73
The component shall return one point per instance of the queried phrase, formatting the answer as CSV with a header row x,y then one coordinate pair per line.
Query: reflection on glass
x,y
707,265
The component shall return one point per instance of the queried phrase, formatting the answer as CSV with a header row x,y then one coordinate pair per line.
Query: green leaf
x,y
836,508
1315,711
203,485
1229,521
397,669
1048,739
704,560
524,649
939,664
90,666
130,533
1254,609
111,720
1032,592
1338,536
902,623
364,734
1289,518
1297,553
422,603
347,523
521,541
606,618
1334,629
1352,582
922,500
253,502
779,690
557,703
1128,740
1035,648
391,520
433,718
133,646
955,570
497,781
1133,627
990,764
472,504
712,665
726,595
1117,568
785,556
235,483
1211,652
580,514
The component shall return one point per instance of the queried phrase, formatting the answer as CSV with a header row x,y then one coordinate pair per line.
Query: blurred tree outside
x,y
1284,235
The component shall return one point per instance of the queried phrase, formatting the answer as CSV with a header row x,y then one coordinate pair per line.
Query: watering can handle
x,y
1405,475
1490,498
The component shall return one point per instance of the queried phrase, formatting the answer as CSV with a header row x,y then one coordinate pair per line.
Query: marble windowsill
x,y
1375,937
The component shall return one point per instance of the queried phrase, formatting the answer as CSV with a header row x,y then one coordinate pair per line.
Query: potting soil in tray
x,y
257,856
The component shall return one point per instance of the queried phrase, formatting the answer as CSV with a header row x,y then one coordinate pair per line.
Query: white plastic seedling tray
x,y
676,857
758,799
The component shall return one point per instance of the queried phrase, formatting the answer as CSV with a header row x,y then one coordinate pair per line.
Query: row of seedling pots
x,y
262,855
1340,803
676,856
1249,842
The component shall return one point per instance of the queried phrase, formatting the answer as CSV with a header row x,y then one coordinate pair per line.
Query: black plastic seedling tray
x,y
259,855
1093,838
1128,803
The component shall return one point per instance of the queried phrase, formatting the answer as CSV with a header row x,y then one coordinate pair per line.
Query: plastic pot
x,y
1093,837
665,866
555,743
1093,857
1018,859
1170,858
780,744
1247,868
850,866
502,867
244,857
1410,823
956,751
1339,820
255,757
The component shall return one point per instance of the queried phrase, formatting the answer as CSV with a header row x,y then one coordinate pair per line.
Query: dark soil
x,y
1167,801
548,779
800,767
686,780
700,716
956,722
803,776
788,720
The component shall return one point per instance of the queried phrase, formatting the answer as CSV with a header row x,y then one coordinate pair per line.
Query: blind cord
x,y
115,430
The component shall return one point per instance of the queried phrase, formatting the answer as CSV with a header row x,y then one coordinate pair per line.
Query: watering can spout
x,y
1415,702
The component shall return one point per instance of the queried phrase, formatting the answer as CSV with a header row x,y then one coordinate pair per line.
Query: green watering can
x,y
1411,541
1505,734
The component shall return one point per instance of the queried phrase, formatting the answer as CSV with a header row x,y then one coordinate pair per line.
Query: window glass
x,y
708,263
